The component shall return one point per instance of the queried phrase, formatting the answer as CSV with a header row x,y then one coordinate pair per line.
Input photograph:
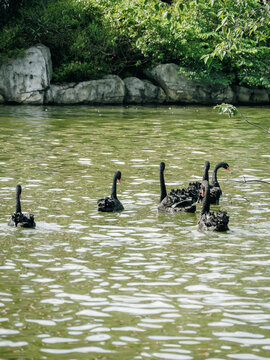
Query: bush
x,y
216,41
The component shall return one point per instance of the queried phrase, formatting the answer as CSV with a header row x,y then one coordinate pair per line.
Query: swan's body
x,y
211,221
177,200
19,219
194,188
111,203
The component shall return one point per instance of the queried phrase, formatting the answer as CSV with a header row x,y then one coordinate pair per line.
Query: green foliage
x,y
216,41
228,109
81,45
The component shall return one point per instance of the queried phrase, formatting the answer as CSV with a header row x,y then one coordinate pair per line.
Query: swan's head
x,y
207,165
162,166
225,166
18,191
118,176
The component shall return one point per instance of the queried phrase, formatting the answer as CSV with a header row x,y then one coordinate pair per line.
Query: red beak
x,y
228,169
203,192
120,181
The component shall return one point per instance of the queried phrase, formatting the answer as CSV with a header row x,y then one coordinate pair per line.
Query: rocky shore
x,y
27,80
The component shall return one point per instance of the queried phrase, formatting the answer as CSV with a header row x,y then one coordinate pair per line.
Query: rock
x,y
252,96
60,94
143,92
243,94
260,96
109,90
24,80
179,89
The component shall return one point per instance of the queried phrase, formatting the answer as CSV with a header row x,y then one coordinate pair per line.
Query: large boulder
x,y
143,92
109,90
252,96
25,79
181,90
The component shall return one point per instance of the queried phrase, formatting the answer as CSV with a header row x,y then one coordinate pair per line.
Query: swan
x,y
212,221
177,200
111,203
19,219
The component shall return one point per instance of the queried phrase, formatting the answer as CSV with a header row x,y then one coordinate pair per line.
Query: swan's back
x,y
176,201
194,191
25,220
214,221
109,204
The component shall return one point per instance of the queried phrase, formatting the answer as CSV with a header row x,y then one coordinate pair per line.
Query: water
x,y
137,284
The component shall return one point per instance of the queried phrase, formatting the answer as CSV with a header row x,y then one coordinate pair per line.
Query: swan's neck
x,y
205,174
206,200
18,204
163,192
214,176
113,195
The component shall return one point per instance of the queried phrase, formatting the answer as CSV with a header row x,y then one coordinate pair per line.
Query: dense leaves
x,y
216,41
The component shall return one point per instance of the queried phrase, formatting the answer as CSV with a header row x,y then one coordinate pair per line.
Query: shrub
x,y
216,41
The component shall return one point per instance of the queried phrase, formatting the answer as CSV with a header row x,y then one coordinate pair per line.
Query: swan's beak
x,y
228,169
120,181
20,196
202,191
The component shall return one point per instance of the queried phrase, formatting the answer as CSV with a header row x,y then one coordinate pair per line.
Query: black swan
x,y
215,190
111,203
19,219
212,221
177,200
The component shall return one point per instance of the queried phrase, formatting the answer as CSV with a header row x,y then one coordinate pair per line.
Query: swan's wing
x,y
214,221
22,220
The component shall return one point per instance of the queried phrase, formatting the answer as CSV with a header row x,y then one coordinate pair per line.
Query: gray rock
x,y
24,80
260,96
243,94
179,89
252,96
109,90
143,92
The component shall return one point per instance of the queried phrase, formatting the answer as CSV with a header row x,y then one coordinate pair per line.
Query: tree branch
x,y
247,181
231,111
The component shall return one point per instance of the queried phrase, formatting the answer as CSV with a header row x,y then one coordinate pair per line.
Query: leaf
x,y
219,13
207,59
169,16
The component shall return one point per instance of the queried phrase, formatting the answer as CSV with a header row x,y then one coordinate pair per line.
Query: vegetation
x,y
216,41
231,111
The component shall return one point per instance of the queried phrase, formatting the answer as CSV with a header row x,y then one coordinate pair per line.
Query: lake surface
x,y
138,284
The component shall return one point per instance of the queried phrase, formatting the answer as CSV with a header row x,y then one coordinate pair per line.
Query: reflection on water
x,y
137,284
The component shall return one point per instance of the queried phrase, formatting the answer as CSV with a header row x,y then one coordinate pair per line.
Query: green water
x,y
137,284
